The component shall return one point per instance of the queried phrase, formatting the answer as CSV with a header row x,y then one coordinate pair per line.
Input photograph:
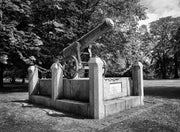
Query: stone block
x,y
76,89
132,101
42,100
71,106
45,87
96,89
57,81
138,86
116,87
33,80
121,104
114,106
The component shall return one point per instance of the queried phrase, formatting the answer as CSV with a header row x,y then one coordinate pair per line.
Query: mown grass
x,y
161,113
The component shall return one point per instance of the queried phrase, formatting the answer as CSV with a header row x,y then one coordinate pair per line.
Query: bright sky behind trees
x,y
160,8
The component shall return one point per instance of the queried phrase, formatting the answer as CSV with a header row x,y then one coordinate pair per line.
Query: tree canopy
x,y
33,32
165,35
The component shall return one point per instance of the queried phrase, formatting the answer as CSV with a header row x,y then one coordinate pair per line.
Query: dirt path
x,y
161,112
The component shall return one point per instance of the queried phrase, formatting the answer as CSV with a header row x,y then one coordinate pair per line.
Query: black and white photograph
x,y
89,65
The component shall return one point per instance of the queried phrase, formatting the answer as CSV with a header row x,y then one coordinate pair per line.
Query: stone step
x,y
72,106
42,100
117,105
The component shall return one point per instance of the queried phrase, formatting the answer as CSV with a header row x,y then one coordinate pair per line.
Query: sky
x,y
160,8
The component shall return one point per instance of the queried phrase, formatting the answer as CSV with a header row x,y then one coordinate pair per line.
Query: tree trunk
x,y
163,68
163,71
176,66
23,80
23,77
13,79
1,75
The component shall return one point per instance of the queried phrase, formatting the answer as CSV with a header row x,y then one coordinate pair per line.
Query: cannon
x,y
72,54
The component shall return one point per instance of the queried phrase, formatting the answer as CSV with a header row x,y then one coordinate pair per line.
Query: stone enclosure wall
x,y
94,97
117,87
76,89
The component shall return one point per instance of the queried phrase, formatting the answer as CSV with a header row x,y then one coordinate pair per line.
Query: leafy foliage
x,y
21,45
15,37
36,31
165,32
122,45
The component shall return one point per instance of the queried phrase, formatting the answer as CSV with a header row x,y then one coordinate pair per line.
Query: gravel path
x,y
161,113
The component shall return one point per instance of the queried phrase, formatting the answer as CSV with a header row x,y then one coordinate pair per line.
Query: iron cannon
x,y
72,54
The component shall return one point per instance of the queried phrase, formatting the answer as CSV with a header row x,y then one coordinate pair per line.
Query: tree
x,y
175,39
59,23
34,32
120,47
166,48
20,44
3,60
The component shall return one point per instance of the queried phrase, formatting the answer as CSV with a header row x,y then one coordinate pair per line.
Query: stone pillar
x,y
57,81
33,80
96,88
137,75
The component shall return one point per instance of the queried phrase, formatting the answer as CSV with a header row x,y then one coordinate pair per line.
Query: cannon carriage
x,y
72,55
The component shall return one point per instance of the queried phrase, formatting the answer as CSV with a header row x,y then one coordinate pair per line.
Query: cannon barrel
x,y
91,36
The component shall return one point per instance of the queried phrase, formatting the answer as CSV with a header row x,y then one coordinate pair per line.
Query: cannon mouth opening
x,y
109,22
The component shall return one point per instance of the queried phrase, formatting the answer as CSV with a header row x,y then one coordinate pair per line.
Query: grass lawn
x,y
161,113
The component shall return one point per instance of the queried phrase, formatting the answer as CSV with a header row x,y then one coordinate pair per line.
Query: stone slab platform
x,y
110,107
114,106
82,108
42,100
71,106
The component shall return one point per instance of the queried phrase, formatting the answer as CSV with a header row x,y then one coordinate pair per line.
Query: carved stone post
x,y
57,81
33,80
96,88
137,75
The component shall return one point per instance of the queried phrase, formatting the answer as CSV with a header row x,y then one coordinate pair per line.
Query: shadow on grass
x,y
49,111
164,92
9,88
22,101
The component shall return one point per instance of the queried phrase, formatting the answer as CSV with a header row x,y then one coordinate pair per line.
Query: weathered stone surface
x,y
45,87
117,105
42,100
116,87
33,80
93,97
71,106
76,89
114,106
96,95
57,81
137,75
132,101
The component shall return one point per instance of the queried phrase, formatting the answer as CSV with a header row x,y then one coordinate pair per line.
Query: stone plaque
x,y
115,88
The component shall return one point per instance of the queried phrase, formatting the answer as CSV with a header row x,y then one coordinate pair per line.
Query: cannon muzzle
x,y
88,38
96,33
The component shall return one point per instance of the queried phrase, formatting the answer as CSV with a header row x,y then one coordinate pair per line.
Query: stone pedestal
x,y
94,97
57,81
137,75
33,80
96,88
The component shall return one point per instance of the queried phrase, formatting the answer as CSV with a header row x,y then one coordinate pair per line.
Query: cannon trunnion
x,y
72,54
